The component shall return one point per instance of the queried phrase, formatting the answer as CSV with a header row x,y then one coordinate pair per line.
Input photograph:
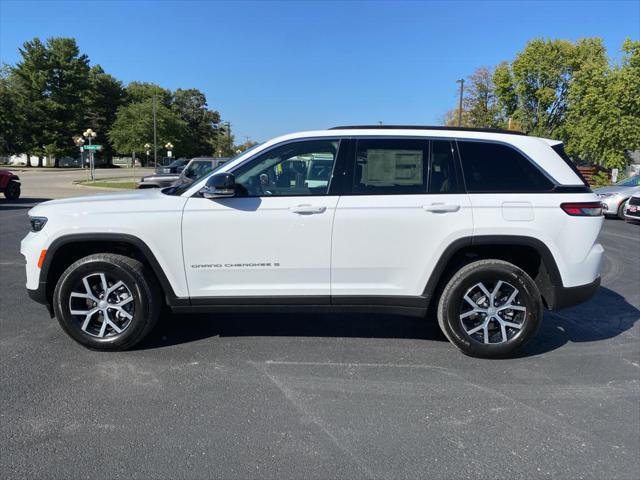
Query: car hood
x,y
117,201
612,189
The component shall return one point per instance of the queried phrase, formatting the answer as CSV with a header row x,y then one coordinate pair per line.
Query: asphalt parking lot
x,y
319,396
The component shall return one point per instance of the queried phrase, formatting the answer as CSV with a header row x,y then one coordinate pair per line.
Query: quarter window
x,y
492,167
295,169
390,166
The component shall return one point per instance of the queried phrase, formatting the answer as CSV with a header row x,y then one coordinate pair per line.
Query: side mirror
x,y
219,185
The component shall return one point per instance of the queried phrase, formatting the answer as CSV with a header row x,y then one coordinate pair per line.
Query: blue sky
x,y
276,67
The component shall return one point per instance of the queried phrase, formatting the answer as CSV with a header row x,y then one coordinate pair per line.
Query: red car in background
x,y
9,184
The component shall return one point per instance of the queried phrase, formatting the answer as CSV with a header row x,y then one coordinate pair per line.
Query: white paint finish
x,y
294,232
389,244
518,211
570,239
149,215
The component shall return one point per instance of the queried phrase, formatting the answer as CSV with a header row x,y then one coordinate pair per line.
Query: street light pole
x,y
90,135
155,135
461,82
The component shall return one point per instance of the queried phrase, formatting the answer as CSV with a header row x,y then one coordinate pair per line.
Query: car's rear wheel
x,y
107,301
490,308
12,192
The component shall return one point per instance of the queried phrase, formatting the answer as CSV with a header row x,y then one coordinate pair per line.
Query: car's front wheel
x,y
490,308
107,301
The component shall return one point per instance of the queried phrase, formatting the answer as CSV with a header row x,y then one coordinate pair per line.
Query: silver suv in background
x,y
195,169
614,197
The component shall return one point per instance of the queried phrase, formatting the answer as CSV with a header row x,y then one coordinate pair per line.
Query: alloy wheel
x,y
102,306
492,313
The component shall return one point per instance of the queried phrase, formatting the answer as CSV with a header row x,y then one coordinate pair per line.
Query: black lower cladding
x,y
569,296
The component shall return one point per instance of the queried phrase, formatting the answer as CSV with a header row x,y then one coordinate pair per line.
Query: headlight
x,y
37,223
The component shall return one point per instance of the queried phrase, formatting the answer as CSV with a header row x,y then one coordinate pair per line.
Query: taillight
x,y
582,209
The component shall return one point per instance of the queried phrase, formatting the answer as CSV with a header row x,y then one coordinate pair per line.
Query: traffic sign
x,y
92,147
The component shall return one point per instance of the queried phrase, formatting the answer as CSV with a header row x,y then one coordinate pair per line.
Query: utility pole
x,y
155,135
461,82
229,138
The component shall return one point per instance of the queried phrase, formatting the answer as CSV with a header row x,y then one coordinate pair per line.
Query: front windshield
x,y
180,189
630,182
197,169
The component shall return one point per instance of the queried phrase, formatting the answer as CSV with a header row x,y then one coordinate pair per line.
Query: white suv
x,y
484,227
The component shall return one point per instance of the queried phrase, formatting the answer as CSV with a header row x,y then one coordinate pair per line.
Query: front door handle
x,y
441,207
307,209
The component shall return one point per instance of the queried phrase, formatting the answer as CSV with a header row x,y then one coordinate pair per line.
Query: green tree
x,y
200,136
533,89
133,127
51,82
480,106
604,109
105,96
138,92
10,124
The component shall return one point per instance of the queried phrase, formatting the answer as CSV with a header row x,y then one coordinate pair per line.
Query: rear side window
x,y
442,175
492,167
391,166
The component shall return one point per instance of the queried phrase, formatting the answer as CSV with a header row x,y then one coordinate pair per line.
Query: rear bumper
x,y
565,297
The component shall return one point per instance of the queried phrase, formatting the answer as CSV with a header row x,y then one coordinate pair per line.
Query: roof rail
x,y
426,127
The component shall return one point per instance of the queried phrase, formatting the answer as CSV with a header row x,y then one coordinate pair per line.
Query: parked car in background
x,y
174,167
632,208
9,184
196,168
614,197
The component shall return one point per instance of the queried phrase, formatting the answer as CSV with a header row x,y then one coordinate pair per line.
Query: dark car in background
x,y
9,184
174,167
195,169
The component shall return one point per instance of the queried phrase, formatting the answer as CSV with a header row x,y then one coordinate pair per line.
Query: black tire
x,y
452,302
140,284
620,212
12,192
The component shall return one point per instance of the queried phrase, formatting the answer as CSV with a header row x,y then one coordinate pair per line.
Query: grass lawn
x,y
109,184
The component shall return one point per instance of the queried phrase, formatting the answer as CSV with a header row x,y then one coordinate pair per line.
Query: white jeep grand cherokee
x,y
484,227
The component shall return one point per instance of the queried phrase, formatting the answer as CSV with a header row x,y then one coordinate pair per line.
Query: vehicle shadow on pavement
x,y
605,316
177,329
20,203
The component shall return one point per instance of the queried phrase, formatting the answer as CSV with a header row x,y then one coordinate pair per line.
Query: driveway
x,y
322,396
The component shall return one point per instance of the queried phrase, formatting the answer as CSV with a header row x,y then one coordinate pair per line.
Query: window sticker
x,y
392,167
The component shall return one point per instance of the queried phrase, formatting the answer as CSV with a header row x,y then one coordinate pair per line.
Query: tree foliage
x,y
604,115
563,90
133,127
53,94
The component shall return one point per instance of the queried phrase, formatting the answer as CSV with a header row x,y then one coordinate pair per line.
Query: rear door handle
x,y
441,207
307,209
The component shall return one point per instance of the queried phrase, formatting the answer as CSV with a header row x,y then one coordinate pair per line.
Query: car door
x,y
407,204
272,239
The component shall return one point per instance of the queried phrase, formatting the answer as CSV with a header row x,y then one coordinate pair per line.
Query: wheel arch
x,y
528,253
63,251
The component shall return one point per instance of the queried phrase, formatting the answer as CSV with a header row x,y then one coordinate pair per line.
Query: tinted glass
x,y
630,182
391,166
492,167
442,176
294,169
